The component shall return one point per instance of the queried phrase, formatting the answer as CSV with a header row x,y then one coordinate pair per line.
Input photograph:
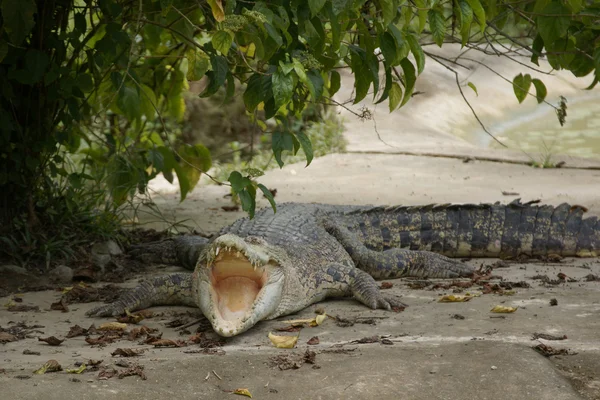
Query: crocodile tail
x,y
479,230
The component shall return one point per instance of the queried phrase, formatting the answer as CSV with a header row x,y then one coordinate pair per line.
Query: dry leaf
x,y
313,340
49,366
243,392
454,299
51,340
79,370
7,337
503,309
126,352
217,10
112,326
283,342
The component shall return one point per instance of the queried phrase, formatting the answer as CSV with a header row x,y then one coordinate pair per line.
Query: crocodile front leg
x,y
396,263
179,250
172,289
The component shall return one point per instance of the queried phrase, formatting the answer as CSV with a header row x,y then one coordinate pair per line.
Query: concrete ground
x,y
434,350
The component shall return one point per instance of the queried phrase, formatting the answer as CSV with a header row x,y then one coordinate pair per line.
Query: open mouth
x,y
240,286
236,284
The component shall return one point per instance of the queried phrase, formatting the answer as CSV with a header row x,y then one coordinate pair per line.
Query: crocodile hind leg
x,y
339,279
172,289
396,262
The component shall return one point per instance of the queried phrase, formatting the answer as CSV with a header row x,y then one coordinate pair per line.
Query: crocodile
x,y
281,262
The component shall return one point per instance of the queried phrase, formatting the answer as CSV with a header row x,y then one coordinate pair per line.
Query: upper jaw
x,y
239,286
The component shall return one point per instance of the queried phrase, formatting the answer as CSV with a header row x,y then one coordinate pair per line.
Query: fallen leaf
x,y
126,352
167,343
318,320
141,331
21,307
547,336
106,373
7,337
503,309
60,305
77,331
51,340
130,318
313,340
386,285
112,326
243,392
79,370
454,299
283,342
289,328
548,351
134,370
49,366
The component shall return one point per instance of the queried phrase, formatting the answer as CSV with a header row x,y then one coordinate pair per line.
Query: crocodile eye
x,y
254,240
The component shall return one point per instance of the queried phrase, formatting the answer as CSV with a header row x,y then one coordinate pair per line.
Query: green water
x,y
539,132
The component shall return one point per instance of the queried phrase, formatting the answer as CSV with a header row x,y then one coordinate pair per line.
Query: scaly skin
x,y
307,252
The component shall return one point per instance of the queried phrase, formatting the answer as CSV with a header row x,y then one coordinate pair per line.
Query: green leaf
x,y
17,16
521,85
409,79
268,195
194,160
362,73
79,22
540,90
122,178
217,76
395,96
148,101
472,86
422,12
85,82
388,10
402,48
537,47
479,13
283,88
387,44
36,63
222,41
128,101
437,24
281,141
257,90
306,146
466,17
417,51
339,6
335,82
315,6
3,49
198,64
315,84
555,25
238,182
248,200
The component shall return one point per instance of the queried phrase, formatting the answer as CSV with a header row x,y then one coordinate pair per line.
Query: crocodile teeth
x,y
217,252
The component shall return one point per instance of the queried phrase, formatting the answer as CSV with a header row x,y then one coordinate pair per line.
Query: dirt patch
x,y
582,371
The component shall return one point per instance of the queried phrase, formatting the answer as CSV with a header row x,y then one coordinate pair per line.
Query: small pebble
x,y
494,368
